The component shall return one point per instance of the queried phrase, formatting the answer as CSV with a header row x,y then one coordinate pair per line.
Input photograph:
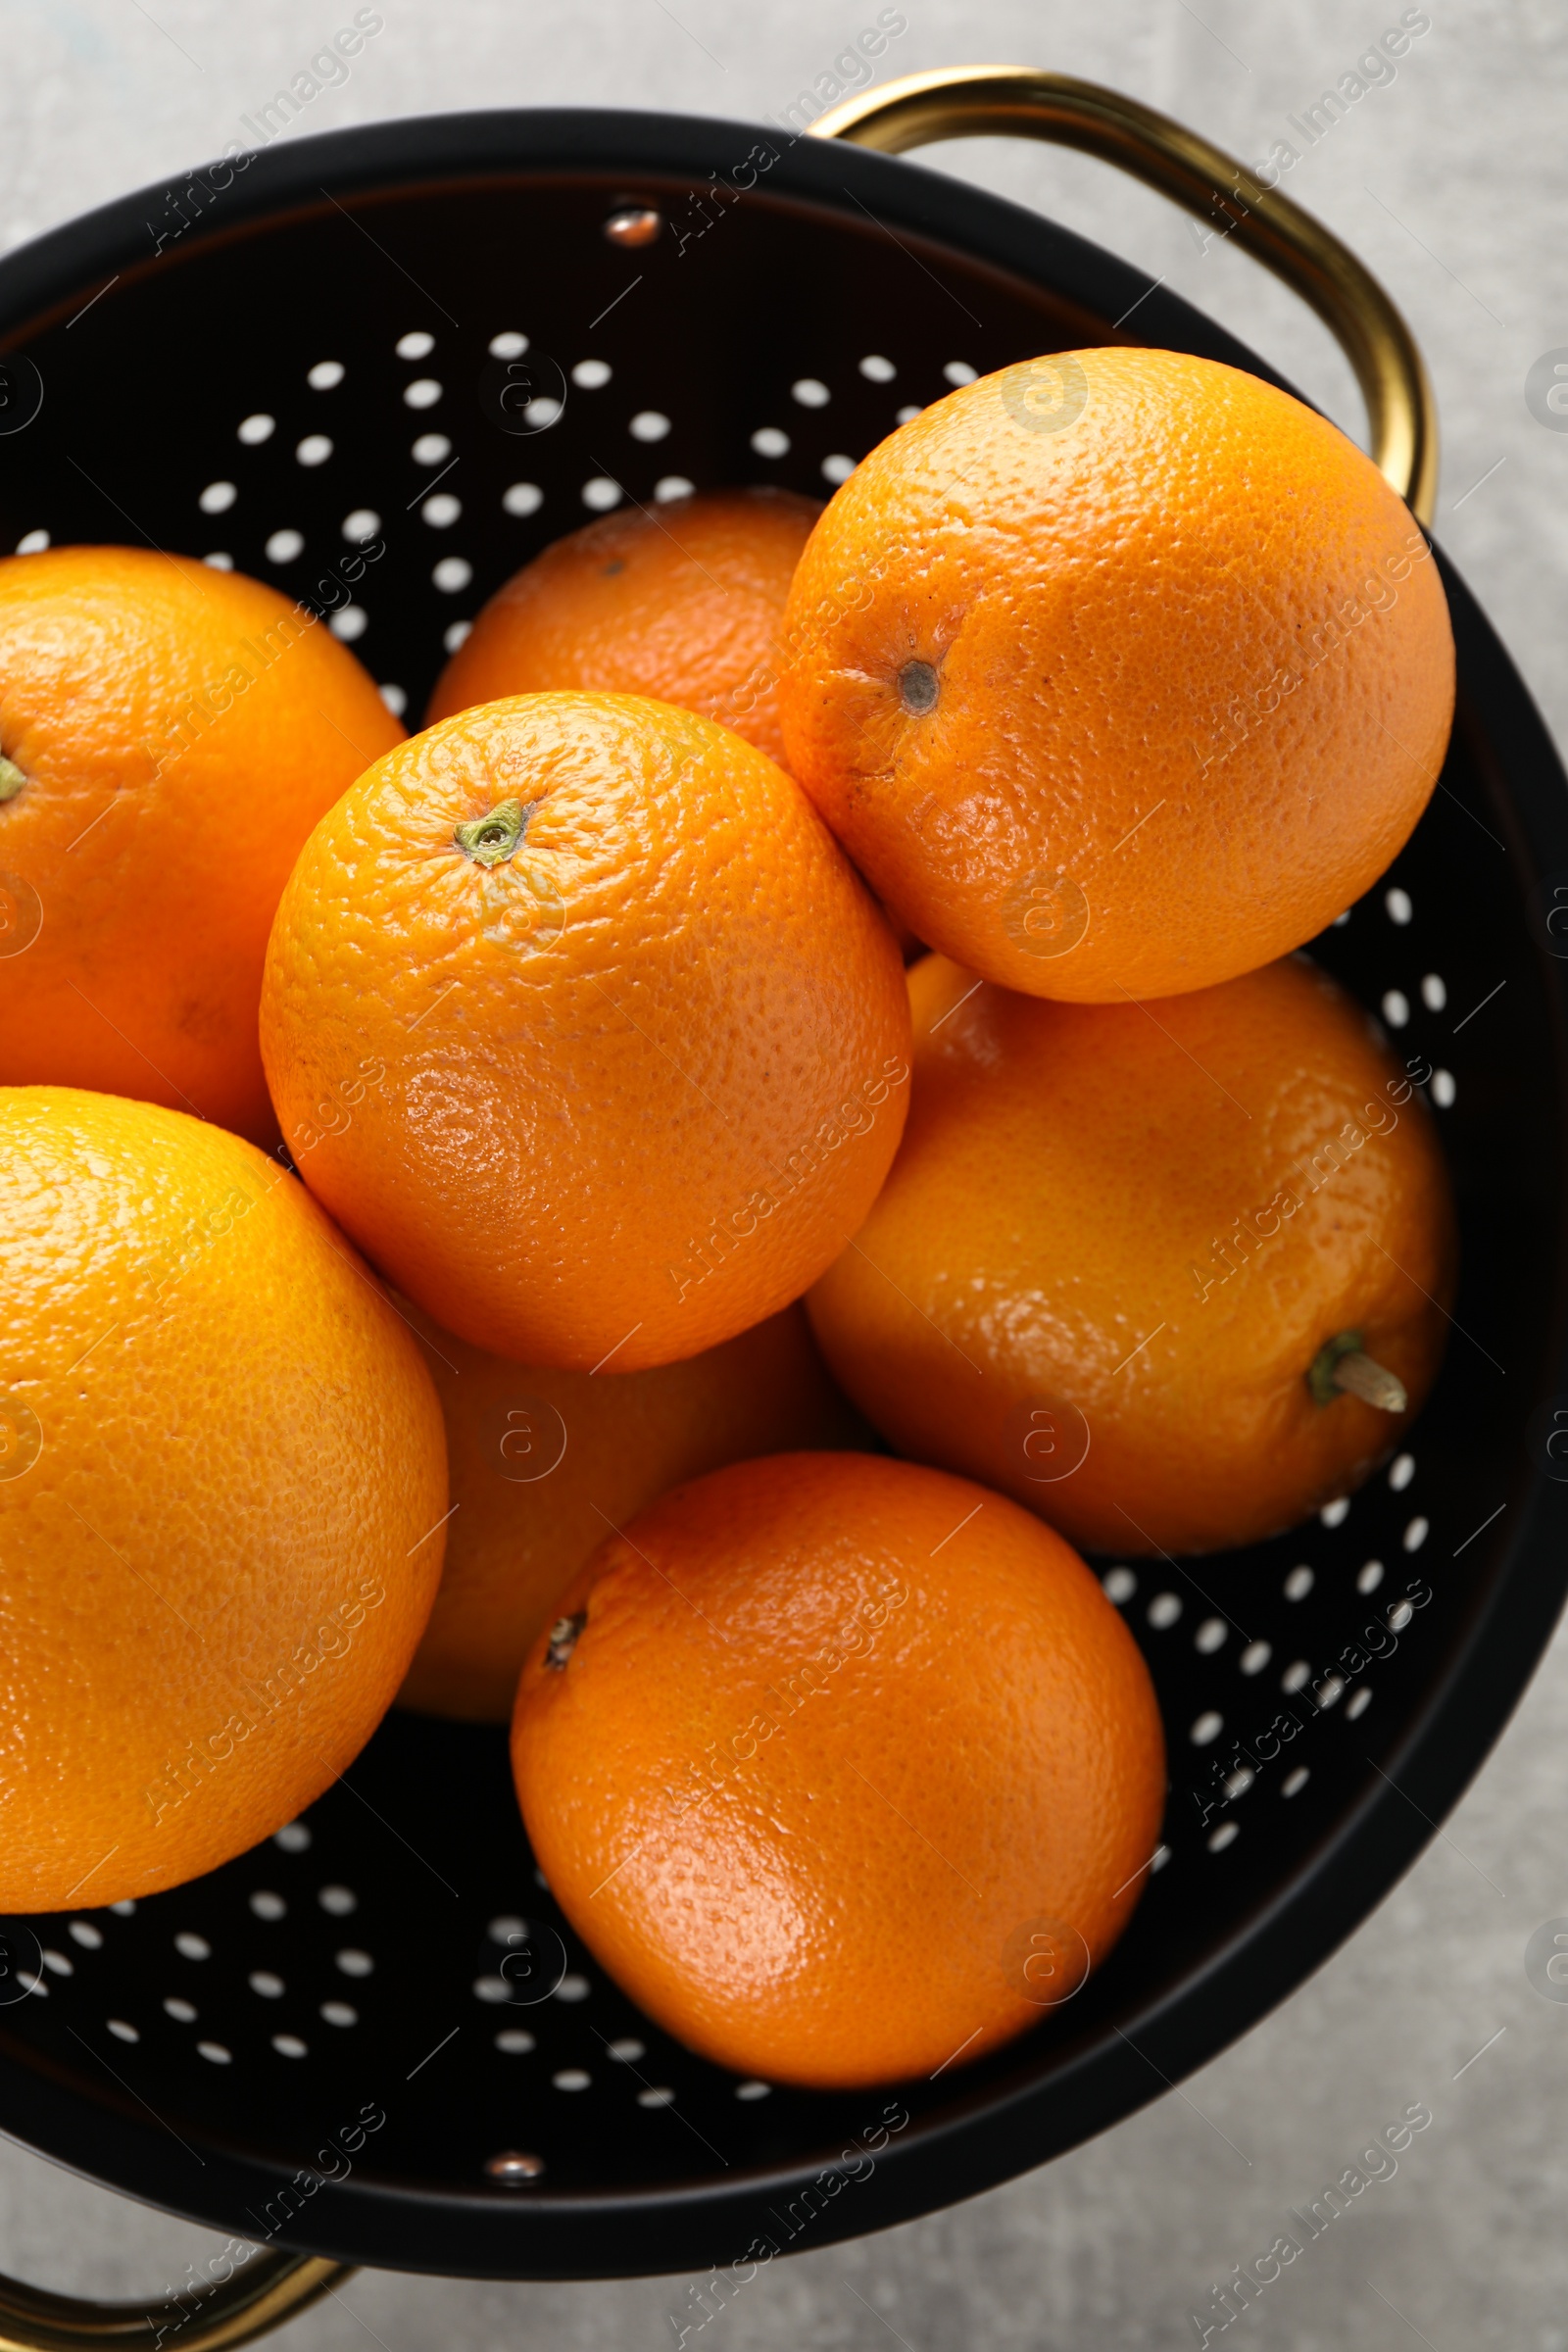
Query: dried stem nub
x,y
1369,1381
1343,1368
918,688
563,1640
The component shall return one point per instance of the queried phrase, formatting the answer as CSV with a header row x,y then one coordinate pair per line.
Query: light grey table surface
x,y
1450,182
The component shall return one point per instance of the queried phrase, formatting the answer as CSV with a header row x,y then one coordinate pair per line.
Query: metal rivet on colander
x,y
514,2169
634,224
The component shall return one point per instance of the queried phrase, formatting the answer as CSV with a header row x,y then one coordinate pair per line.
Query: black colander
x,y
383,370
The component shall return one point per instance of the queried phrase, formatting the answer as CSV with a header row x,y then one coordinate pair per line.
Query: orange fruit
x,y
169,735
1117,672
843,1769
221,1474
545,1463
579,1021
1126,1252
683,605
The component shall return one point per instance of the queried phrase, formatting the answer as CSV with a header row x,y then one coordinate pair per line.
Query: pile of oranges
x,y
487,1219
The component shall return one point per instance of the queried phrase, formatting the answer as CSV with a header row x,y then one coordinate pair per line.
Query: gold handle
x,y
970,101
269,2290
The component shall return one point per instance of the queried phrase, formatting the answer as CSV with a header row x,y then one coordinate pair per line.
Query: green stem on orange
x,y
491,840
12,779
1343,1367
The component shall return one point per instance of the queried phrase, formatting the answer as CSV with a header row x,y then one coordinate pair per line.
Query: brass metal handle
x,y
971,101
269,2290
